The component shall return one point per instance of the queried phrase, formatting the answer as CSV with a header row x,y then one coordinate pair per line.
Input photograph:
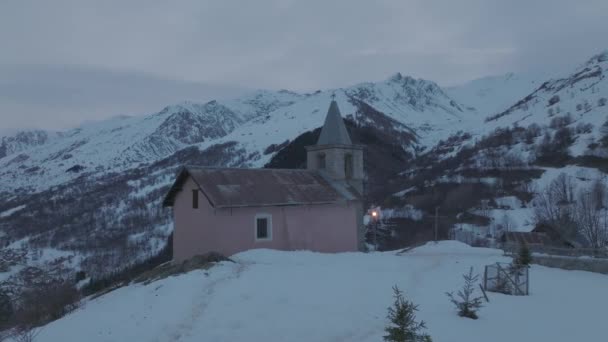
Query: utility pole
x,y
436,222
375,218
375,235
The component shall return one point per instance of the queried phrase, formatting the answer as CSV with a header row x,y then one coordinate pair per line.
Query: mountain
x,y
255,122
90,198
580,94
24,140
494,94
124,142
501,173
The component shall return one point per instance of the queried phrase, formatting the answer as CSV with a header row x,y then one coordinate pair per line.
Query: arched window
x,y
321,161
348,166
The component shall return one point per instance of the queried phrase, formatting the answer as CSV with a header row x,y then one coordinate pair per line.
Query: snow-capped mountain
x,y
91,196
254,122
25,140
34,161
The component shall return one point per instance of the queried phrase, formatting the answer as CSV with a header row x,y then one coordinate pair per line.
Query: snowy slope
x,y
20,141
303,296
494,94
582,95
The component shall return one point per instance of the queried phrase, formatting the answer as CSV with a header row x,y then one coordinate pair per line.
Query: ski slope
x,y
303,296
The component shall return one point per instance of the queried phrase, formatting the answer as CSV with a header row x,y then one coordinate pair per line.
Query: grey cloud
x,y
300,45
55,97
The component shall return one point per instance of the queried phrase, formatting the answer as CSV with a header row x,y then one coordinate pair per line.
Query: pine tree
x,y
466,304
404,327
524,256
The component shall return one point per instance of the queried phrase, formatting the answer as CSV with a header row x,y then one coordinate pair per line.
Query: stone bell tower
x,y
334,154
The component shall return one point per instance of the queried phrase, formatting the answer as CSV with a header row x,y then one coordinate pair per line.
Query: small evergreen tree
x,y
466,304
404,327
524,256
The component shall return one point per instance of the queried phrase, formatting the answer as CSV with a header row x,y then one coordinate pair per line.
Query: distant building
x,y
232,210
512,240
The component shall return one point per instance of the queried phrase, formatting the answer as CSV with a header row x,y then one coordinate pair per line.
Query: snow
x,y
510,202
580,176
11,211
405,192
407,211
494,94
304,296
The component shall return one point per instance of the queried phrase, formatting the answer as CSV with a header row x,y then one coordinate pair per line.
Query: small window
x,y
195,199
348,166
263,227
321,161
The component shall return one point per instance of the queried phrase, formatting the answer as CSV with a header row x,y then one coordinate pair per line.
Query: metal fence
x,y
507,279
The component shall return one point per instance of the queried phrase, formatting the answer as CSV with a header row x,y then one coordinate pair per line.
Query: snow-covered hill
x,y
303,296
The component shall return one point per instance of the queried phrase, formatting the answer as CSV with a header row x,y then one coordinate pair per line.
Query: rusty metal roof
x,y
229,188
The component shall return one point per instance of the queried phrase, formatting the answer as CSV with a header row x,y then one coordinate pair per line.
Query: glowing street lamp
x,y
375,216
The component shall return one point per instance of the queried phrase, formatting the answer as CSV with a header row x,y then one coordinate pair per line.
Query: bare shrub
x,y
46,303
6,308
587,106
604,131
553,100
583,128
513,160
553,206
25,334
555,151
531,133
591,215
561,121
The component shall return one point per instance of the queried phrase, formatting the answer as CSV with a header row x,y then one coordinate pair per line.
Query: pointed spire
x,y
334,131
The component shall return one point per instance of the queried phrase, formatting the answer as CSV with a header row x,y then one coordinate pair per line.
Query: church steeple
x,y
334,131
334,155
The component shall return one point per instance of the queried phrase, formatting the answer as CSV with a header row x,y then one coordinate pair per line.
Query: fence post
x,y
485,277
497,274
528,280
484,293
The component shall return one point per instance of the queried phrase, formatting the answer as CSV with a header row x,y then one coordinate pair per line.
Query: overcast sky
x,y
63,62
